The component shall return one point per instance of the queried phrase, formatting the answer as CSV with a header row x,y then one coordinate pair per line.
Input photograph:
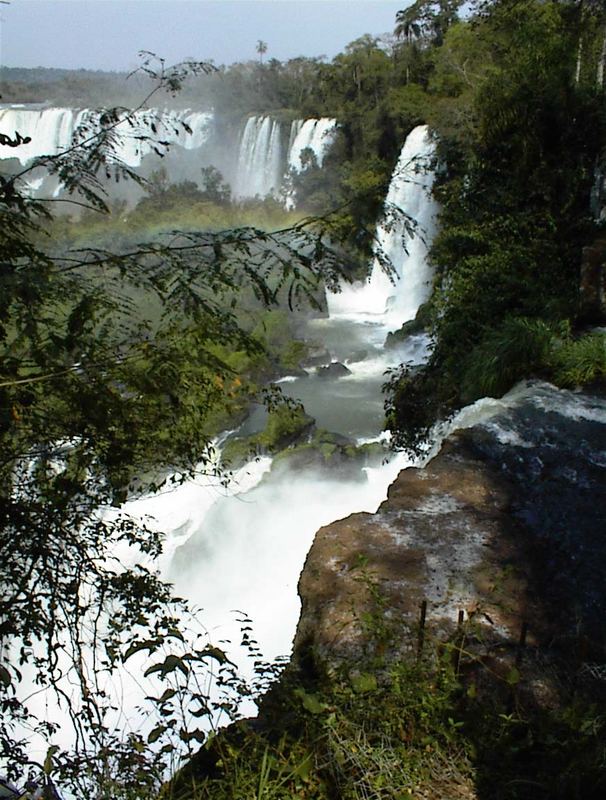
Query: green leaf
x,y
311,702
156,733
5,677
213,652
170,664
303,770
364,682
513,676
136,647
48,761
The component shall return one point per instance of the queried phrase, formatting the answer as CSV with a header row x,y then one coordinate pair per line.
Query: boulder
x,y
505,525
334,370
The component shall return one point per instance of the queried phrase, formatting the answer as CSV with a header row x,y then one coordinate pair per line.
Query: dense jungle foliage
x,y
517,101
111,378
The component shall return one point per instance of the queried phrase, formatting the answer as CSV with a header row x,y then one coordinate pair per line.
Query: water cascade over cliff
x,y
245,548
403,236
311,134
51,130
264,161
260,159
259,167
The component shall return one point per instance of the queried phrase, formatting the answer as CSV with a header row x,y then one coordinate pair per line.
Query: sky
x,y
108,34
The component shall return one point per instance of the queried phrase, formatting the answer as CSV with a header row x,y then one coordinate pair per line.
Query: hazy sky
x,y
107,34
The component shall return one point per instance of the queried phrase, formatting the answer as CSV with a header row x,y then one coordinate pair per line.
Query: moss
x,y
332,454
237,452
446,724
285,426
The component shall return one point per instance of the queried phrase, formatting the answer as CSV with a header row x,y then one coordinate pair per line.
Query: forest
x,y
133,335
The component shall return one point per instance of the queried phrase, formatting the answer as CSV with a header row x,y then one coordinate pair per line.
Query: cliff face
x,y
507,524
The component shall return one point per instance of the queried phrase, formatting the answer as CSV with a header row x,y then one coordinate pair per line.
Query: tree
x,y
109,380
427,20
261,49
519,139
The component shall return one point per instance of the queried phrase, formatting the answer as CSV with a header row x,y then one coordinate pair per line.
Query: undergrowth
x,y
349,736
451,722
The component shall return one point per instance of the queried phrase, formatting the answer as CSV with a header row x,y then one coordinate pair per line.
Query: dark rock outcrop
x,y
592,286
507,523
334,370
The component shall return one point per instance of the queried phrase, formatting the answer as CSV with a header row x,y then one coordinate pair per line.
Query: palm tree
x,y
261,49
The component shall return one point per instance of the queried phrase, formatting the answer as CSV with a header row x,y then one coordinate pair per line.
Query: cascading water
x,y
51,131
316,135
263,164
260,159
397,298
245,548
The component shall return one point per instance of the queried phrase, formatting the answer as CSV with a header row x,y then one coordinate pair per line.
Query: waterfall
x,y
263,164
51,131
314,134
409,193
259,170
244,548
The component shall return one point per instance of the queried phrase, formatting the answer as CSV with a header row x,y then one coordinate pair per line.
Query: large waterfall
x,y
260,159
263,161
265,153
51,131
245,548
310,134
403,237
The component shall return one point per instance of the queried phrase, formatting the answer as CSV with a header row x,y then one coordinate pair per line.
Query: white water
x,y
260,159
263,162
244,548
396,299
51,131
316,135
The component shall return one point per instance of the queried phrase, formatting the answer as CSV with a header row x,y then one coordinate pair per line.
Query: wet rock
x,y
592,286
414,326
359,355
506,524
330,455
317,357
334,370
436,536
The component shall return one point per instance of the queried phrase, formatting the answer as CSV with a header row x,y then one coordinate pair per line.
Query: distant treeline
x,y
82,88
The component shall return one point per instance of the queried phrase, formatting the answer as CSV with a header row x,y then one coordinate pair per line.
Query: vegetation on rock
x,y
520,121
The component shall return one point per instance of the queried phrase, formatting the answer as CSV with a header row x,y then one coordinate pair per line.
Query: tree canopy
x,y
518,107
